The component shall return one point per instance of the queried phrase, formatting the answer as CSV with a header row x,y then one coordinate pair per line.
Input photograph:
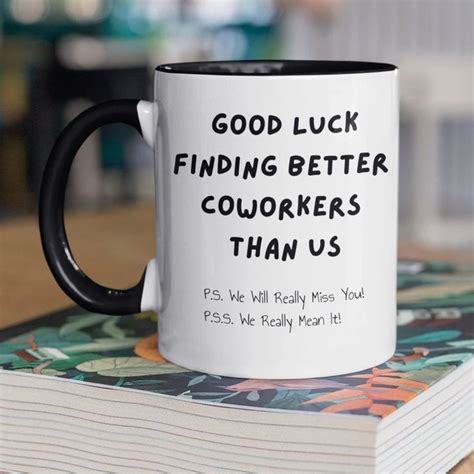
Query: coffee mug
x,y
276,215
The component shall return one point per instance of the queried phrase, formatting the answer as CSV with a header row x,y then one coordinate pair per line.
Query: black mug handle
x,y
74,282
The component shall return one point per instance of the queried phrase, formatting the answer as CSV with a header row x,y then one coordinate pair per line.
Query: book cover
x,y
435,335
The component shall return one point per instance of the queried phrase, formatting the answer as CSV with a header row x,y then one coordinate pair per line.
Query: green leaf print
x,y
128,367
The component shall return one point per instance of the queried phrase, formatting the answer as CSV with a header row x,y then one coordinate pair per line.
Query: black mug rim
x,y
275,67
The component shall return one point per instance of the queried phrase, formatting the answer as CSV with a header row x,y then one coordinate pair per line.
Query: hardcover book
x,y
90,392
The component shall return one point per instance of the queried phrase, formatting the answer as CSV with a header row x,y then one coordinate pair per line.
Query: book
x,y
88,392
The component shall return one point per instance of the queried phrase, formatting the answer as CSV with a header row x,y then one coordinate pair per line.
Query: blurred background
x,y
60,56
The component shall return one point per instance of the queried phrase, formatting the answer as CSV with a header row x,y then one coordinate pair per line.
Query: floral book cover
x,y
435,335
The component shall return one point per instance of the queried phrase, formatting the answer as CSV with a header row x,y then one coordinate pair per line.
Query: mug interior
x,y
275,68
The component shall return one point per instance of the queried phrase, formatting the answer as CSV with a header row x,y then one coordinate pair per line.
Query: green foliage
x,y
432,336
81,321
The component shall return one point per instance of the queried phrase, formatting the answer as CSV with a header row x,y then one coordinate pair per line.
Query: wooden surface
x,y
112,247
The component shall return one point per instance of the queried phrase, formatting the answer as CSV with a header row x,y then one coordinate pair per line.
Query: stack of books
x,y
87,392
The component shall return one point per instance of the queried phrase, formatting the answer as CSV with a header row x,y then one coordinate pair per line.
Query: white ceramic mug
x,y
276,200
